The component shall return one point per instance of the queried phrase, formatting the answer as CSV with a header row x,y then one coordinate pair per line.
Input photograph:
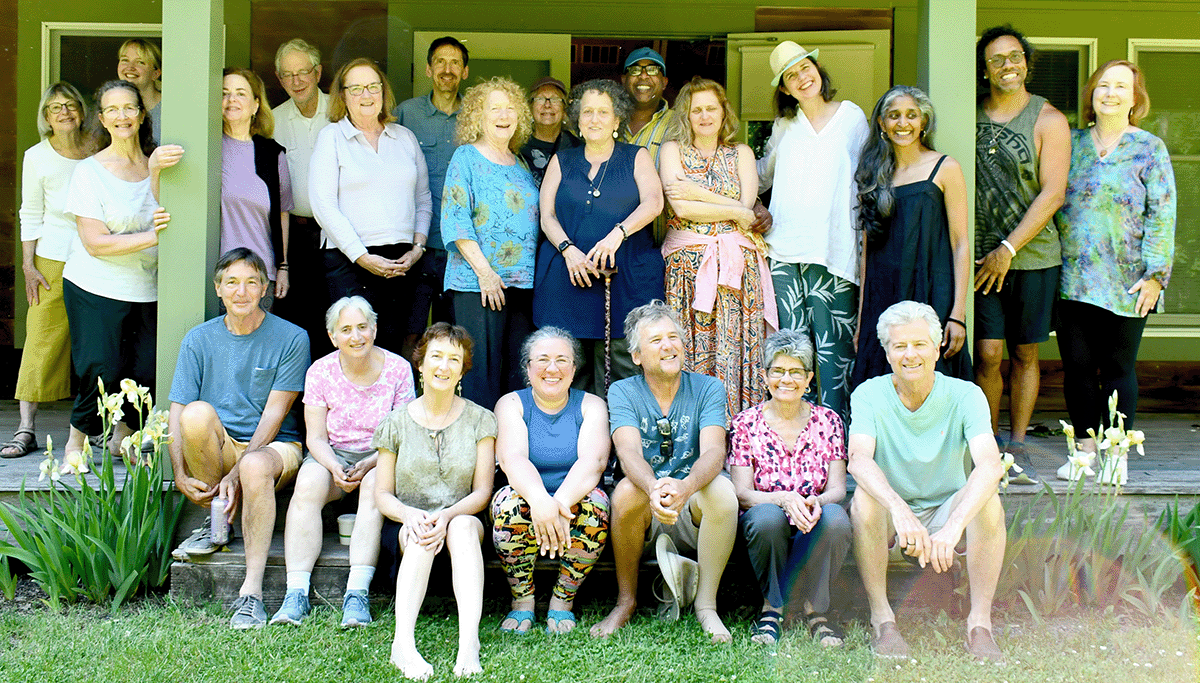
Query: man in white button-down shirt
x,y
297,123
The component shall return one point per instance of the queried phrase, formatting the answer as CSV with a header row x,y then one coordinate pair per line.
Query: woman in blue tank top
x,y
553,444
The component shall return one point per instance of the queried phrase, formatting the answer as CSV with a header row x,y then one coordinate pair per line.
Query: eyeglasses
x,y
357,90
1017,57
114,111
649,70
667,448
543,363
289,75
552,101
57,107
798,374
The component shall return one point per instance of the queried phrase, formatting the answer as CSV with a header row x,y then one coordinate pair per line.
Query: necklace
x,y
997,129
1105,148
595,187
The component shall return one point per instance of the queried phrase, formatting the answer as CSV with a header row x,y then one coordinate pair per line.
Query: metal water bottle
x,y
219,525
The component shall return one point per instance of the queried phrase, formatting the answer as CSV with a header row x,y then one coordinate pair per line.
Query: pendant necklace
x,y
996,130
1106,148
595,187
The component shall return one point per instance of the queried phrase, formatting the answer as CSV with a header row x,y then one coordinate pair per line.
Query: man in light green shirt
x,y
910,434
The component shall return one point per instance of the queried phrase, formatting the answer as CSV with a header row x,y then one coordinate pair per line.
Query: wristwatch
x,y
562,246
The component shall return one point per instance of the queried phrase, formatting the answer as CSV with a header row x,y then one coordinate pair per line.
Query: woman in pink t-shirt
x,y
788,462
346,395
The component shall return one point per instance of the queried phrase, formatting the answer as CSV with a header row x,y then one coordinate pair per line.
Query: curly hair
x,y
543,334
101,135
263,122
990,36
622,103
680,128
337,94
470,116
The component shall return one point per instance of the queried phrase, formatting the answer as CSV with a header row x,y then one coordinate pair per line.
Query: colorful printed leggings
x,y
512,532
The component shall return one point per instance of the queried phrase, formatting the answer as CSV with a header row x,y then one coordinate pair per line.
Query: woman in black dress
x,y
913,214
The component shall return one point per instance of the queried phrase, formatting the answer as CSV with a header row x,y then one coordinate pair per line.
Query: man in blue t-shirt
x,y
910,435
234,435
668,427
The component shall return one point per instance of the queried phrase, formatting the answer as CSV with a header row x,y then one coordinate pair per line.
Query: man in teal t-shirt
x,y
668,427
910,436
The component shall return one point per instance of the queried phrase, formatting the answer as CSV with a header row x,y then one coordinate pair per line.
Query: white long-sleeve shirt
x,y
298,135
365,198
45,177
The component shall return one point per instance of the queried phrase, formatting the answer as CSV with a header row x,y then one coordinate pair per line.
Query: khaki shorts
x,y
289,452
933,519
683,532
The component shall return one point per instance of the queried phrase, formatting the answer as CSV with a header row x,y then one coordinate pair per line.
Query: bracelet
x,y
956,320
282,266
419,244
1008,245
624,235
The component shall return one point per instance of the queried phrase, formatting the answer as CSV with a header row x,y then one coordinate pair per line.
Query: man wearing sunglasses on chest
x,y
668,428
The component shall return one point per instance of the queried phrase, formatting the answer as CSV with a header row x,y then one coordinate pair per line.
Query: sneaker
x,y
198,544
1027,475
355,609
294,608
248,612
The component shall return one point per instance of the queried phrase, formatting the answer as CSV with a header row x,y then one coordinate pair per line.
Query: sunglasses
x,y
667,448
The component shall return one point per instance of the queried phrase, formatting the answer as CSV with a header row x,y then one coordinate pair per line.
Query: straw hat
x,y
787,54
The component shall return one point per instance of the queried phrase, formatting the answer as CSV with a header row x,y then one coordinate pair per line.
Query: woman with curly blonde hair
x,y
490,226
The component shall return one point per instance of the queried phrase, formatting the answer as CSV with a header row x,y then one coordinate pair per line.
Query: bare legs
x,y
627,534
463,537
1024,376
303,534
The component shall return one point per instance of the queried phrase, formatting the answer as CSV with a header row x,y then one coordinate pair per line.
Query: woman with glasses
x,y
256,188
553,445
369,190
111,275
46,236
434,474
787,457
913,216
598,202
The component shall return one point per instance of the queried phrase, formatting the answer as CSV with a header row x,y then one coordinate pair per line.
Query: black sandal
x,y
820,628
766,630
19,446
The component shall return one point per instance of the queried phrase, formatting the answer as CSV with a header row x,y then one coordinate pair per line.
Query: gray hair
x,y
68,91
904,313
791,343
645,314
297,45
335,311
622,103
541,335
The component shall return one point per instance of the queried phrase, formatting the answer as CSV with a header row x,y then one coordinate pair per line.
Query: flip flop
x,y
559,615
520,616
23,447
765,631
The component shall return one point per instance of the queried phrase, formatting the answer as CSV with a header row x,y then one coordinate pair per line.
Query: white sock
x,y
360,577
298,581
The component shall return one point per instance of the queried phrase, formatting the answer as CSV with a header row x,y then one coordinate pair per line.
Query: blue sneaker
x,y
248,613
293,610
355,609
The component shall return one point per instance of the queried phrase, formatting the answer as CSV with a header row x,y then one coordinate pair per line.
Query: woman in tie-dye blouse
x,y
1118,244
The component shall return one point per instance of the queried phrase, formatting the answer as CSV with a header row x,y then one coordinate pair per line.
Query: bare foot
x,y
713,626
411,664
618,617
467,662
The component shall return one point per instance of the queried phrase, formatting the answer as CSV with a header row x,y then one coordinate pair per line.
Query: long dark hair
x,y
877,163
786,106
145,131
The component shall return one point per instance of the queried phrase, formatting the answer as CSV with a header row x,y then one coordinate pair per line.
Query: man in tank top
x,y
1022,157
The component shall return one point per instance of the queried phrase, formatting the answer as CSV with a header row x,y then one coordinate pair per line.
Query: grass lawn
x,y
159,641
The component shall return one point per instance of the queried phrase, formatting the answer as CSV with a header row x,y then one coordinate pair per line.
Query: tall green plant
x,y
1184,534
103,542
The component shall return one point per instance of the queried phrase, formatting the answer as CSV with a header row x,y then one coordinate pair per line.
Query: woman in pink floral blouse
x,y
788,461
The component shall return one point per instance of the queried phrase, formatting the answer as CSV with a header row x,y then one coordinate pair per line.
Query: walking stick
x,y
608,273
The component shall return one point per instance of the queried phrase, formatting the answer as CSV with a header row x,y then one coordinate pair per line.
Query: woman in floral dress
x,y
717,277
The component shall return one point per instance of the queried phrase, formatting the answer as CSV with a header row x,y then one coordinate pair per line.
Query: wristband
x,y
1008,245
956,320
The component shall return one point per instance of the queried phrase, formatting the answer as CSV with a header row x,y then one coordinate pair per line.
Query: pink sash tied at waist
x,y
723,264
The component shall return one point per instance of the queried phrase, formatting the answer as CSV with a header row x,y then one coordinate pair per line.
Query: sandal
x,y
825,632
19,447
559,616
766,630
520,616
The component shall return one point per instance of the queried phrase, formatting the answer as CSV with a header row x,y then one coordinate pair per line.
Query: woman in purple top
x,y
256,190
346,395
788,461
553,444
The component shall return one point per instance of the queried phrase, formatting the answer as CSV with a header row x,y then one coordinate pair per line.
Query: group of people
x,y
731,333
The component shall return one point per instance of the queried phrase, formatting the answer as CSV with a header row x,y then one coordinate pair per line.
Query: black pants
x,y
430,295
110,340
392,298
498,335
1099,355
307,298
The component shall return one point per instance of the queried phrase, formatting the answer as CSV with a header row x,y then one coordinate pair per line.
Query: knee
x,y
866,514
464,529
628,500
765,522
312,485
1024,354
989,353
255,471
198,418
835,524
366,493
718,497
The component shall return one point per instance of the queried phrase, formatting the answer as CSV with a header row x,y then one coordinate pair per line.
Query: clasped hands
x,y
668,496
803,512
916,541
427,529
551,525
349,478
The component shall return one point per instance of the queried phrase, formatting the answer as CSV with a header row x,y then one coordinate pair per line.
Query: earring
x,y
458,389
614,135
882,136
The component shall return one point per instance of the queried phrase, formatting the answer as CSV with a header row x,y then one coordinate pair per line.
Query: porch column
x,y
946,71
193,52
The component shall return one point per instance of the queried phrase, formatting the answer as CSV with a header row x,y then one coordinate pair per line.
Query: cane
x,y
607,273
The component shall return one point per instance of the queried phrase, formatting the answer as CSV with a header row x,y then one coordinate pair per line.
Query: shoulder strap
x,y
936,167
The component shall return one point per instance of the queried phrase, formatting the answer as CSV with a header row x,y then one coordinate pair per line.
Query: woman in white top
x,y
369,190
46,235
111,274
813,245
